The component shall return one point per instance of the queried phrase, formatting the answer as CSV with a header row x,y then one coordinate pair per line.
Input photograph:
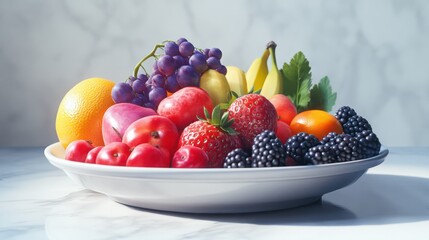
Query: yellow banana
x,y
257,72
237,80
274,81
216,85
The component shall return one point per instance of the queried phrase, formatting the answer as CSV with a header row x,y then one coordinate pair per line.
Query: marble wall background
x,y
375,52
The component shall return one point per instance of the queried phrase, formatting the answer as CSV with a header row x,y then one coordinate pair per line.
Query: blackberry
x,y
237,158
320,154
370,142
267,150
297,146
328,138
355,125
347,148
344,113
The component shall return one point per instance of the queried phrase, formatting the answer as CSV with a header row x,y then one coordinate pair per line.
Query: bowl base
x,y
221,208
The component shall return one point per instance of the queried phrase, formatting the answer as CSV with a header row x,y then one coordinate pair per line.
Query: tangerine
x,y
316,122
81,111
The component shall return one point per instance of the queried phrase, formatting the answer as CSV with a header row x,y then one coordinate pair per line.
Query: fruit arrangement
x,y
191,111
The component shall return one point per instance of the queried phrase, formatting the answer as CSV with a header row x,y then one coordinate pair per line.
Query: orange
x,y
81,111
316,122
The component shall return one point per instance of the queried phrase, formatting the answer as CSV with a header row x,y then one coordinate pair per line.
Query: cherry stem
x,y
151,54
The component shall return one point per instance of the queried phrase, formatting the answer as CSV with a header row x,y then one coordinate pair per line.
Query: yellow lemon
x,y
81,111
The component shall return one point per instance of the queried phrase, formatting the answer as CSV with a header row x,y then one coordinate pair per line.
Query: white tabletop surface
x,y
38,201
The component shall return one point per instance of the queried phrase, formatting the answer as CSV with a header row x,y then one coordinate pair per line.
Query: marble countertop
x,y
38,201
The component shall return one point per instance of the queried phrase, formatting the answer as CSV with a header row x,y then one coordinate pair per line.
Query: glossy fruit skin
x,y
183,106
119,117
81,111
297,146
283,131
190,157
77,150
115,154
156,130
257,72
356,124
215,142
285,108
344,113
370,143
216,85
236,80
273,83
147,155
316,122
237,158
91,157
252,114
268,151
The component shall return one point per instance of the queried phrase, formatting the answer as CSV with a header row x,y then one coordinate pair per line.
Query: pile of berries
x,y
358,141
267,151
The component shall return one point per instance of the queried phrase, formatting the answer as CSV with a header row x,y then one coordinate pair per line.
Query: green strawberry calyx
x,y
219,119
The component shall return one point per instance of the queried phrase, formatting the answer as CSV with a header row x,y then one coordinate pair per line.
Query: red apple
x,y
118,117
183,106
147,155
158,131
285,108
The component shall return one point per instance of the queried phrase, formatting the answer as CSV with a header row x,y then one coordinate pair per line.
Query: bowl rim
x,y
269,174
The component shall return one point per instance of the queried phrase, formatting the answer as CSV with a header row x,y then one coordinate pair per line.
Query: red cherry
x,y
190,157
77,150
114,153
147,155
91,157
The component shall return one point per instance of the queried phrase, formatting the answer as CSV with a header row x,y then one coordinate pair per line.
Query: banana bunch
x,y
273,83
257,78
237,80
257,72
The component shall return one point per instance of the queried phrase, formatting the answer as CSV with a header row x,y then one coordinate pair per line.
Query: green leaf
x,y
224,106
234,94
230,131
216,115
229,123
297,80
303,95
322,96
207,114
224,118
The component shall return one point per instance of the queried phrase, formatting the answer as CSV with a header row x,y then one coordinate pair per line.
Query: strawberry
x,y
252,114
214,135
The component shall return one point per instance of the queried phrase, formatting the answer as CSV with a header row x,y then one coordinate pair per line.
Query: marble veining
x,y
373,51
38,201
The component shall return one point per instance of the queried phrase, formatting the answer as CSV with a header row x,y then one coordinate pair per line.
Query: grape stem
x,y
151,54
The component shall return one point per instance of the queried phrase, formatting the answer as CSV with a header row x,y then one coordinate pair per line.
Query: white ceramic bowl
x,y
213,190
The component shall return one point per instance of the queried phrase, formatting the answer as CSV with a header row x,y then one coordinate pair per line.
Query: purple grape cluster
x,y
179,66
